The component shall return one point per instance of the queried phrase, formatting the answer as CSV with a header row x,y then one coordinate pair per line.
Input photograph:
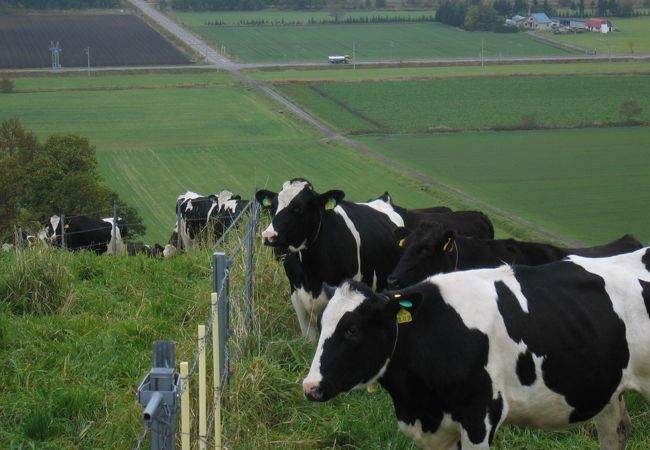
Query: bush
x,y
7,85
36,282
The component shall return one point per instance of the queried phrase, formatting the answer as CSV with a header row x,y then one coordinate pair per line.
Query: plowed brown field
x,y
114,40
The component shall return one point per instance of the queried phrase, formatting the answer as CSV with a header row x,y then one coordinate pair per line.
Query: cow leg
x,y
303,316
613,425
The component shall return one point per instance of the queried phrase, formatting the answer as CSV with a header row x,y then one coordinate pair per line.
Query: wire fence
x,y
194,392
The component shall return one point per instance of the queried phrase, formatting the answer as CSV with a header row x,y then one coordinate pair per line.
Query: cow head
x,y
357,340
428,250
296,213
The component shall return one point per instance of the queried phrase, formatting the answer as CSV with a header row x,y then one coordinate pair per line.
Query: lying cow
x,y
326,239
133,249
462,353
432,248
198,213
85,233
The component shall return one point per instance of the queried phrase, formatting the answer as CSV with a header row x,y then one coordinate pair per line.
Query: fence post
x,y
203,428
185,406
252,226
158,395
221,264
113,231
62,231
178,225
216,368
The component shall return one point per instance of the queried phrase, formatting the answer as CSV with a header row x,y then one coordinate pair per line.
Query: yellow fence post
x,y
203,430
185,407
216,356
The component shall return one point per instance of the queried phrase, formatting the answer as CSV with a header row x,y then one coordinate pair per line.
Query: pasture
x,y
587,184
160,135
464,104
368,42
361,73
630,36
113,39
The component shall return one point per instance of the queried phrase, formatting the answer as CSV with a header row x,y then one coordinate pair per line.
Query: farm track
x,y
217,61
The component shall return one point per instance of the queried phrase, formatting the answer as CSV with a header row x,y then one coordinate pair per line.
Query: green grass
x,y
70,376
155,140
590,185
630,35
361,73
371,42
197,19
480,103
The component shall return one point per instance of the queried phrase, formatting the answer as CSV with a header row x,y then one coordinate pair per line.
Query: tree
x,y
520,7
503,7
6,85
581,7
59,176
480,17
630,108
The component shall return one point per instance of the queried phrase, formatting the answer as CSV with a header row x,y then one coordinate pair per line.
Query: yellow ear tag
x,y
372,388
266,202
403,316
330,203
401,242
66,226
447,246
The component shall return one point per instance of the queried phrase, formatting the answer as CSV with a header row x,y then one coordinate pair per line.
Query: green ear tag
x,y
266,202
406,303
403,316
330,203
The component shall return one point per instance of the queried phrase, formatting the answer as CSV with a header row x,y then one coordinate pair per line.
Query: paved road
x,y
218,61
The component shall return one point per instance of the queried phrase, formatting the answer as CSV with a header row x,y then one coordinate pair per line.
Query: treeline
x,y
335,20
254,5
40,179
59,4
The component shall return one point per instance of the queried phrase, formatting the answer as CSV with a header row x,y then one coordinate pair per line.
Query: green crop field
x,y
630,35
160,135
479,103
588,184
370,41
362,73
197,19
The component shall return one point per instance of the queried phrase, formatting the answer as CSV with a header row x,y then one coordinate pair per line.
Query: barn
x,y
539,22
599,25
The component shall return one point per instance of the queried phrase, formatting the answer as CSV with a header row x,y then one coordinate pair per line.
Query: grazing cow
x,y
432,248
461,353
327,239
197,213
466,223
86,233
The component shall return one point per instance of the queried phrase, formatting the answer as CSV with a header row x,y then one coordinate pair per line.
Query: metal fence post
x,y
114,232
178,225
158,394
62,231
221,264
252,226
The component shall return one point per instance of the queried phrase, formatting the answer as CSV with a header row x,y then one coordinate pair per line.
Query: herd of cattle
x,y
465,332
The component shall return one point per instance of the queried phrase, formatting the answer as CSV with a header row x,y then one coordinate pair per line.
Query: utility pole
x,y
87,50
55,49
482,43
354,57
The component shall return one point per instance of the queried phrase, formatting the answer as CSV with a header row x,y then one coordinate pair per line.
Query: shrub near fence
x,y
164,392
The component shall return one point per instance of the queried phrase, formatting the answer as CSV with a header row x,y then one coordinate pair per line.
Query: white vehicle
x,y
344,59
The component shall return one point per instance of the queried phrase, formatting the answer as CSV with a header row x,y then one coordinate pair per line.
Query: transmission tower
x,y
55,49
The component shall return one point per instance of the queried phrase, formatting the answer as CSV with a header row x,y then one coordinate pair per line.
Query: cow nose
x,y
269,236
393,282
312,390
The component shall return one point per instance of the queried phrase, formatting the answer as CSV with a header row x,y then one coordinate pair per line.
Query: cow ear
x,y
401,234
265,198
448,240
403,305
330,199
329,290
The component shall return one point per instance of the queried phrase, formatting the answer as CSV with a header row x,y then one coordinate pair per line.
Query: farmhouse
x,y
538,22
599,25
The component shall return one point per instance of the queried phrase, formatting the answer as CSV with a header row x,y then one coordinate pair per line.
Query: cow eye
x,y
351,332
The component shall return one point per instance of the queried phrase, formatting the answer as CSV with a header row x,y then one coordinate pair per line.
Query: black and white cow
x,y
466,223
86,233
198,213
461,353
327,239
432,248
133,249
